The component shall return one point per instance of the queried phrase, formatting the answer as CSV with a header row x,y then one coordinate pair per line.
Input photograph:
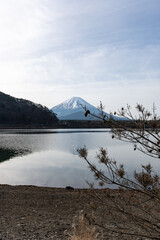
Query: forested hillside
x,y
14,111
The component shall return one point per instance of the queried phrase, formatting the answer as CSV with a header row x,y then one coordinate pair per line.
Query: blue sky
x,y
100,50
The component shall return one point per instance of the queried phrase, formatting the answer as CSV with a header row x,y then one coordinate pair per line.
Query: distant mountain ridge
x,y
72,109
16,112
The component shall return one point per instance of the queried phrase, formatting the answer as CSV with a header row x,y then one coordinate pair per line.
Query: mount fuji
x,y
72,109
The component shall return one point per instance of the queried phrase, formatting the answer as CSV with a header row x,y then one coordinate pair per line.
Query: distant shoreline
x,y
74,124
63,124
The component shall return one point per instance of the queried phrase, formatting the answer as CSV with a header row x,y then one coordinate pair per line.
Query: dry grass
x,y
83,229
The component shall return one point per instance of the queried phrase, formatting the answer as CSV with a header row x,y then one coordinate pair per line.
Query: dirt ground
x,y
29,212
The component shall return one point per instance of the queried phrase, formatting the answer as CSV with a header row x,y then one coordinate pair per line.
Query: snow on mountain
x,y
71,106
72,103
72,109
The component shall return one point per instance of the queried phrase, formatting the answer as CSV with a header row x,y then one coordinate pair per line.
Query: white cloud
x,y
52,50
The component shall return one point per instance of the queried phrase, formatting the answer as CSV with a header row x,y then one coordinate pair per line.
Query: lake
x,y
49,157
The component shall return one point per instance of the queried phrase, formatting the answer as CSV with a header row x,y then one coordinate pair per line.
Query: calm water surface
x,y
50,158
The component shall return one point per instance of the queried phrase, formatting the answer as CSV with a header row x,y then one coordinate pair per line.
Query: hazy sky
x,y
100,50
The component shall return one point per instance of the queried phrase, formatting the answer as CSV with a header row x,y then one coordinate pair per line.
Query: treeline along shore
x,y
71,124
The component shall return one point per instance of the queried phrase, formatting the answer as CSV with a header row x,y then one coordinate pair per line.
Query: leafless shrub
x,y
134,208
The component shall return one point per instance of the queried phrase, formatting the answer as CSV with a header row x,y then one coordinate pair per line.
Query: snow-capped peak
x,y
71,106
72,109
72,103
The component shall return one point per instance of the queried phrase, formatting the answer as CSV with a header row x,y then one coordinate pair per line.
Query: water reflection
x,y
52,159
7,154
47,168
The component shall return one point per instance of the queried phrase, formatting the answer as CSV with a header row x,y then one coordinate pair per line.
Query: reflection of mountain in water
x,y
6,154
